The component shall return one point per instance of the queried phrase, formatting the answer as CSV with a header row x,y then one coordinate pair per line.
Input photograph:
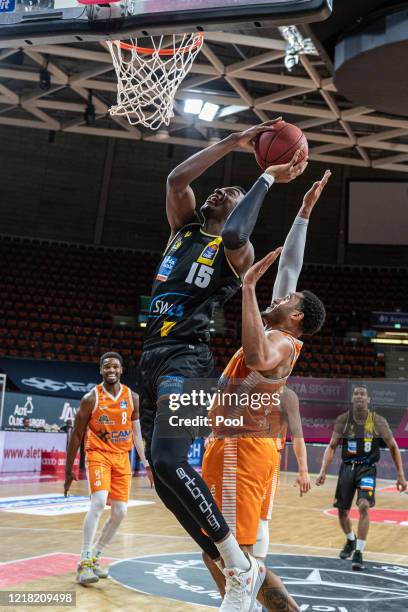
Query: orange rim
x,y
150,51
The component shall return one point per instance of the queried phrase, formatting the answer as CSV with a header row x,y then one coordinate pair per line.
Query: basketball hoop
x,y
148,77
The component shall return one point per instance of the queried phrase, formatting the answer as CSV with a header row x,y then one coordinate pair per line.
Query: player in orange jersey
x,y
109,417
241,464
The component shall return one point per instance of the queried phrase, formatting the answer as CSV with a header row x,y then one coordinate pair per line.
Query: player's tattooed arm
x,y
81,422
382,428
331,448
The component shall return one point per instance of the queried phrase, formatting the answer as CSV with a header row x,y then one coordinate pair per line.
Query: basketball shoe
x,y
241,587
85,573
348,549
97,569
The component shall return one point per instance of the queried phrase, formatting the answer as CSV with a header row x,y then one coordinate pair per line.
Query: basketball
x,y
278,144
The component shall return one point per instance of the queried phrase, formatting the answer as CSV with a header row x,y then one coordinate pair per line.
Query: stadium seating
x,y
59,300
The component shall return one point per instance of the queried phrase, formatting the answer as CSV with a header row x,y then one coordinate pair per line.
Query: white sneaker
x,y
242,587
97,569
85,573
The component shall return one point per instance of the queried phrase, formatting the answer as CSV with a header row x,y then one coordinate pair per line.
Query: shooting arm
x,y
81,422
180,199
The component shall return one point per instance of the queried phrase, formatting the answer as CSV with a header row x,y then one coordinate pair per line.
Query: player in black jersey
x,y
359,431
201,267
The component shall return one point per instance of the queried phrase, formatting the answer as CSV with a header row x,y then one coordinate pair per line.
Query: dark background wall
x,y
51,190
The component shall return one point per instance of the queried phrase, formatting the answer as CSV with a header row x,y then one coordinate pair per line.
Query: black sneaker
x,y
349,548
357,561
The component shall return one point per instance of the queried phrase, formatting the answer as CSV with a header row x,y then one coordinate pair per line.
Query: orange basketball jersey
x,y
110,426
245,387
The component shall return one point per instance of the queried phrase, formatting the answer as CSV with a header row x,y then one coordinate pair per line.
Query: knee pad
x,y
260,549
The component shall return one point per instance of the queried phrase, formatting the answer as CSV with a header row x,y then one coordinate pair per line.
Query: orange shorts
x,y
267,504
109,472
239,473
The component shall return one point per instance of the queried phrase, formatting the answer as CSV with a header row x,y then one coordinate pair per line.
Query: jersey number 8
x,y
124,418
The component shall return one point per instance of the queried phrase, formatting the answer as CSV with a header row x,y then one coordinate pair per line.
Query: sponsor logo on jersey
x,y
103,407
163,305
105,420
123,405
120,436
188,234
103,435
166,268
352,446
210,252
166,328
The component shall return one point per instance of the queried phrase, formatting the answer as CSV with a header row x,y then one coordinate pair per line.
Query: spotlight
x,y
89,114
208,111
193,106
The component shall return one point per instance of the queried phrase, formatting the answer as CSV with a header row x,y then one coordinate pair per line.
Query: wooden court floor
x,y
299,526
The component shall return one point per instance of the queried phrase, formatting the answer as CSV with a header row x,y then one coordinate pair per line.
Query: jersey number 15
x,y
200,275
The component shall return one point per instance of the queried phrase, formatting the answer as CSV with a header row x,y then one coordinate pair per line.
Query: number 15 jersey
x,y
193,277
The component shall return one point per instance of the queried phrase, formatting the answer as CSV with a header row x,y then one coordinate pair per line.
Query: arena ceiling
x,y
243,72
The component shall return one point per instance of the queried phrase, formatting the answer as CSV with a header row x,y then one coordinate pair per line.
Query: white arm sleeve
x,y
138,441
291,259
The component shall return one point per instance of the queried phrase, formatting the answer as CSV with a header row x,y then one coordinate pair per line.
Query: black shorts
x,y
355,477
172,369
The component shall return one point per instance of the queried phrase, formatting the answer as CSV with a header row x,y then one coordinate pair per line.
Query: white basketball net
x,y
147,83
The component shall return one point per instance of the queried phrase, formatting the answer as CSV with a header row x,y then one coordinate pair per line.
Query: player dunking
x,y
109,417
201,267
359,431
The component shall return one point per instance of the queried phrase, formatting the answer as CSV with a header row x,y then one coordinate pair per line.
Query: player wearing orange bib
x,y
109,417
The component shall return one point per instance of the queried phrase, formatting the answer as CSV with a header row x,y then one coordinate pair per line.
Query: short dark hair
x,y
314,313
110,355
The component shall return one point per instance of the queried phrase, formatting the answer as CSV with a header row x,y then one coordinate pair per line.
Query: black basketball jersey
x,y
361,442
193,276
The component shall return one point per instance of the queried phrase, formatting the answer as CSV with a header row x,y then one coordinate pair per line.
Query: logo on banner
x,y
47,384
68,412
25,410
7,6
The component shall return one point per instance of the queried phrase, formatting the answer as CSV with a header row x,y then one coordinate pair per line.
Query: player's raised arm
x,y
291,259
137,437
180,199
81,422
331,448
291,412
241,222
383,429
262,352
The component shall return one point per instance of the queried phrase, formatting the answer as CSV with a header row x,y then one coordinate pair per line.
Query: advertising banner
x,y
39,409
20,451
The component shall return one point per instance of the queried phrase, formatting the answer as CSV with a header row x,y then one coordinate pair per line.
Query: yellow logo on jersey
x,y
188,234
210,252
166,328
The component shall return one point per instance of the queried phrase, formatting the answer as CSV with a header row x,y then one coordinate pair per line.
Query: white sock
x,y
98,501
351,536
117,514
361,545
218,563
231,553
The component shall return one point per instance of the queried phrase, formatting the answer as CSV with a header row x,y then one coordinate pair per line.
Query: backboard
x,y
31,22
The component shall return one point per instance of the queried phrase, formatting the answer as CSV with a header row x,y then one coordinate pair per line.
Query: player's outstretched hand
x,y
260,267
401,484
303,482
285,173
315,192
69,477
246,139
321,479
149,475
